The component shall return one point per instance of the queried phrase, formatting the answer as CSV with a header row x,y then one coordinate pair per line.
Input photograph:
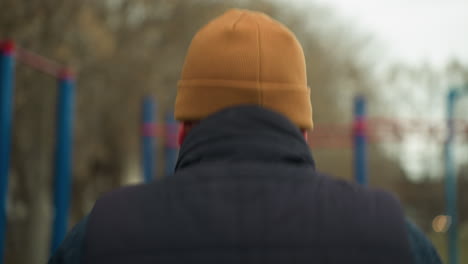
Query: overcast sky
x,y
411,31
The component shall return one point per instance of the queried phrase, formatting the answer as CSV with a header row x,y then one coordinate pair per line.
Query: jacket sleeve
x,y
422,250
70,251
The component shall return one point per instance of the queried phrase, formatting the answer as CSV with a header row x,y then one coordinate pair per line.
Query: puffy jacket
x,y
245,190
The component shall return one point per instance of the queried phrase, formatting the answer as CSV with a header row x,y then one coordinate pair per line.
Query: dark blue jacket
x,y
246,190
70,252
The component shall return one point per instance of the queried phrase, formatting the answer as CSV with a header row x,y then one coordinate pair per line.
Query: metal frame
x,y
451,175
9,54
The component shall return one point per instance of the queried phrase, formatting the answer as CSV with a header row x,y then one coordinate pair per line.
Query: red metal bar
x,y
43,64
7,47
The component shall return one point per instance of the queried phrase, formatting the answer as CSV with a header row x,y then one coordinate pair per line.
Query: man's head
x,y
244,57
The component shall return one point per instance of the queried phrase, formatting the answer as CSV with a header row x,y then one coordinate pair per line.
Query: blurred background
x,y
403,56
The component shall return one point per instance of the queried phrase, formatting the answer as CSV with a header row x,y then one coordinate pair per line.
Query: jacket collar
x,y
245,133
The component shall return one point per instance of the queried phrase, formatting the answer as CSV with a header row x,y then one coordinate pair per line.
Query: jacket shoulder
x,y
421,248
70,251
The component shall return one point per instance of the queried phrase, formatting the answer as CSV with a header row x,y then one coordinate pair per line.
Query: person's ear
x,y
305,134
182,134
184,129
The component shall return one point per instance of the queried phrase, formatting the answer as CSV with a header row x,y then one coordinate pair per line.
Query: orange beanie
x,y
244,57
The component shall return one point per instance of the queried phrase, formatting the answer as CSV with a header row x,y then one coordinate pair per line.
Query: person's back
x,y
246,196
245,188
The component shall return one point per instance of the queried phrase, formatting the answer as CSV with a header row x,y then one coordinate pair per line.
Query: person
x,y
245,187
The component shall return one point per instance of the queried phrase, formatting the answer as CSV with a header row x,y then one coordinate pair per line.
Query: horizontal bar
x,y
35,61
42,64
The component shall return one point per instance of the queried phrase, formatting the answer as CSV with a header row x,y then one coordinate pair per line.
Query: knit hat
x,y
244,57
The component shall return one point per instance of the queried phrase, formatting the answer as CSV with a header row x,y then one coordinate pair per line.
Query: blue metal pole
x,y
7,63
451,180
171,143
63,158
360,141
148,139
